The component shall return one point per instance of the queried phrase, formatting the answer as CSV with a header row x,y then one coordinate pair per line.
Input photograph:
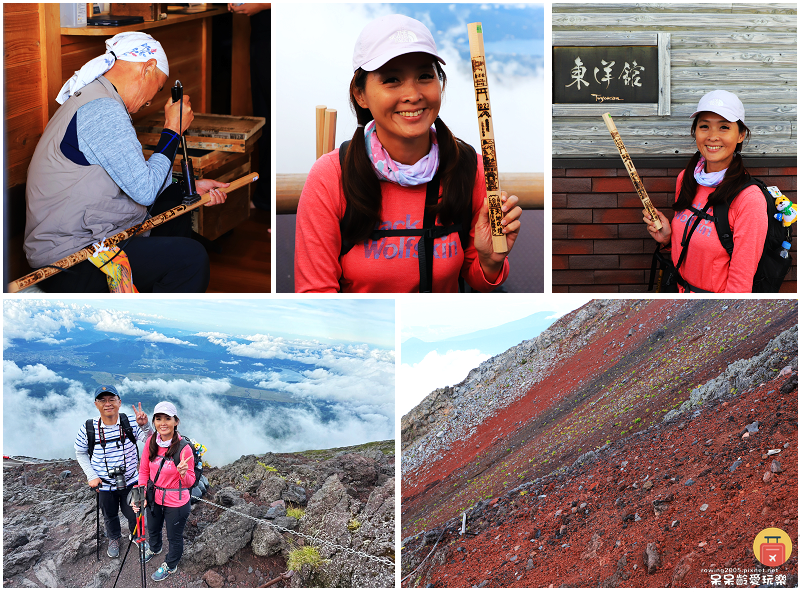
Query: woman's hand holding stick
x,y
491,261
661,233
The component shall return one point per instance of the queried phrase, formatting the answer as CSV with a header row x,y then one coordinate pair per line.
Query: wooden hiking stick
x,y
486,130
320,115
329,136
86,252
637,182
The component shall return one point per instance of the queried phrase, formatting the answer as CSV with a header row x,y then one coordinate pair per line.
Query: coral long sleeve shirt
x,y
707,264
390,264
169,478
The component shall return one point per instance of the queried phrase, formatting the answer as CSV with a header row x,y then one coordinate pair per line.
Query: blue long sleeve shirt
x,y
105,136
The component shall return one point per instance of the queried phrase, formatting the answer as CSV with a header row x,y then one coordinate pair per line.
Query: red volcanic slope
x,y
592,527
617,384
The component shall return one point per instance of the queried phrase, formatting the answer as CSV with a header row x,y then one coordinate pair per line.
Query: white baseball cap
x,y
387,37
166,408
722,103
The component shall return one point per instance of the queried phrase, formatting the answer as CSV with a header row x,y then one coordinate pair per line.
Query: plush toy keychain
x,y
788,210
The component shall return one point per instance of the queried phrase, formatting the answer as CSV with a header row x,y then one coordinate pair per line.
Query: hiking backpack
x,y
428,233
200,484
773,265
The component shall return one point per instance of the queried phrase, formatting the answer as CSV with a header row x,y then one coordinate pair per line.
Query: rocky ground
x,y
631,440
342,496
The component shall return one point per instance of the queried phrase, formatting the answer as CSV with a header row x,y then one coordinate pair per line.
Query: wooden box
x,y
150,12
228,133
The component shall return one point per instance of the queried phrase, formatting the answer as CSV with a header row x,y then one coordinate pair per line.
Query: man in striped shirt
x,y
113,449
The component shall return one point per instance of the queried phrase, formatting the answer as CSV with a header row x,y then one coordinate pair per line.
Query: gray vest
x,y
70,206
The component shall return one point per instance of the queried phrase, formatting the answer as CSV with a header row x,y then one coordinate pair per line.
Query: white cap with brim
x,y
166,408
722,103
390,36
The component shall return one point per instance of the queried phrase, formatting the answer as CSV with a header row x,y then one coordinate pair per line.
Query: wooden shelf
x,y
172,19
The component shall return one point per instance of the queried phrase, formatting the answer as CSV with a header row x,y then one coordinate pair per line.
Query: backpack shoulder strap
x,y
176,458
721,222
127,430
467,220
346,245
90,436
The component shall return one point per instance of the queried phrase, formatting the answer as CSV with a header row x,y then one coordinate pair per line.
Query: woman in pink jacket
x,y
172,484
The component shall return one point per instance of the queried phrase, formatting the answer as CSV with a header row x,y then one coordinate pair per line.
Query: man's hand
x,y
172,113
248,8
210,186
141,416
95,483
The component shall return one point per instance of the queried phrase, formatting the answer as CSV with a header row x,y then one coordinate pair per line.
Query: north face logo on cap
x,y
403,36
717,102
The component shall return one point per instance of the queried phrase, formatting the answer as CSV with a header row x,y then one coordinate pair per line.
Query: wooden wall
x,y
748,49
31,72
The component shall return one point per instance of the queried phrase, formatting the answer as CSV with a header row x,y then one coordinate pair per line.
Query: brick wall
x,y
599,241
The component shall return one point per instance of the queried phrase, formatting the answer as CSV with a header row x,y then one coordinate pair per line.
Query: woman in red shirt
x,y
399,147
715,175
172,484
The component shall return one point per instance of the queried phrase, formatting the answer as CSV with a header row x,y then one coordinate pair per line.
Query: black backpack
x,y
428,233
772,267
200,483
124,422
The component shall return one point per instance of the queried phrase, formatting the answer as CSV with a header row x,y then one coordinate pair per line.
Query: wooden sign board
x,y
624,74
228,133
594,74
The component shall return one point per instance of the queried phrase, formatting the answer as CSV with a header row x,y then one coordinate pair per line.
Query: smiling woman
x,y
715,177
362,210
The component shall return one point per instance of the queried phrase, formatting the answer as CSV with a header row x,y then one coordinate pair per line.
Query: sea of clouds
x,y
354,384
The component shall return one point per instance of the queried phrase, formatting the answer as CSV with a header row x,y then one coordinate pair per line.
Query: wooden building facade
x,y
599,241
39,56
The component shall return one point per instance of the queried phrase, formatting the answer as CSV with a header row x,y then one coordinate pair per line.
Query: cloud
x,y
42,321
416,381
44,423
35,320
352,373
229,363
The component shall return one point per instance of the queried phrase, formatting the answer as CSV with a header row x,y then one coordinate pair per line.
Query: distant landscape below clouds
x,y
237,393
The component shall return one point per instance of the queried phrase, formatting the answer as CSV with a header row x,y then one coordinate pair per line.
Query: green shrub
x,y
296,512
301,556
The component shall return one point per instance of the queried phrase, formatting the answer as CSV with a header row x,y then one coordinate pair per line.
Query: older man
x,y
89,180
107,451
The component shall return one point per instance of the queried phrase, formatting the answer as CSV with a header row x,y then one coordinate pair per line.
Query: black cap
x,y
105,389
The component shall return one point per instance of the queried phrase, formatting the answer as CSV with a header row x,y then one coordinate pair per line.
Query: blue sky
x,y
339,320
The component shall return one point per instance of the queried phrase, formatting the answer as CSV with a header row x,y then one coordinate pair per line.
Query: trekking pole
x,y
140,540
96,489
125,556
136,495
